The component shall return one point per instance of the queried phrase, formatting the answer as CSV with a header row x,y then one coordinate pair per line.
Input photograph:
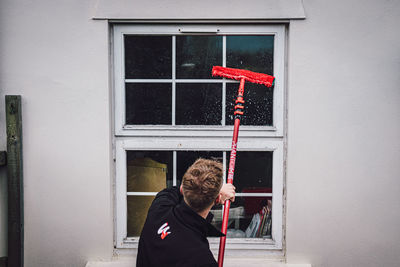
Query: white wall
x,y
343,151
56,57
344,126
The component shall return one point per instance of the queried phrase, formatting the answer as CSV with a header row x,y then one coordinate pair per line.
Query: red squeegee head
x,y
239,74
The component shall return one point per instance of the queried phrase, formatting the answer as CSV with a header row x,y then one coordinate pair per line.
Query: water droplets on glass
x,y
258,106
198,104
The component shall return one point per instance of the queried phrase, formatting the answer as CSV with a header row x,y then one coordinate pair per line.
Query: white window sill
x,y
269,258
228,262
194,131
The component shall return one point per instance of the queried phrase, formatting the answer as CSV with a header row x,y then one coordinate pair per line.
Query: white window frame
x,y
276,130
197,138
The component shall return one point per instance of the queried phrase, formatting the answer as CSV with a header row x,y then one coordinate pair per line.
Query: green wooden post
x,y
3,158
15,181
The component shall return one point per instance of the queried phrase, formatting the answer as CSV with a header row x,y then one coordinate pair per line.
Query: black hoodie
x,y
175,235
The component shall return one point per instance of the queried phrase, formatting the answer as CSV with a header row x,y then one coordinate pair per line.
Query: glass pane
x,y
148,57
249,217
149,171
195,56
258,106
198,104
253,171
137,208
186,158
255,53
148,103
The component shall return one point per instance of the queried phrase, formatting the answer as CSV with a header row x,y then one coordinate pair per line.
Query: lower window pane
x,y
137,213
149,171
249,217
148,103
198,104
187,158
253,171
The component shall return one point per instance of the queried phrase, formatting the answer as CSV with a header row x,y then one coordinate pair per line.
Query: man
x,y
178,222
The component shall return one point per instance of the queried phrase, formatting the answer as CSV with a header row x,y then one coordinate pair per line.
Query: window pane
x,y
137,212
148,103
198,104
258,106
195,56
253,171
249,217
255,53
148,57
149,171
186,158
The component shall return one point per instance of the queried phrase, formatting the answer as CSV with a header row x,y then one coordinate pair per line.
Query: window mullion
x,y
173,78
224,80
174,168
224,51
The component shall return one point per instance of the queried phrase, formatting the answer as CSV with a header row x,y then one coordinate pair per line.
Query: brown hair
x,y
201,183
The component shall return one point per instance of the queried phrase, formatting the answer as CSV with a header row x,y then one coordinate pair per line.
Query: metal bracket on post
x,y
15,181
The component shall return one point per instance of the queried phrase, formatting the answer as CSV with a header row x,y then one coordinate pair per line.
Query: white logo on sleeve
x,y
163,230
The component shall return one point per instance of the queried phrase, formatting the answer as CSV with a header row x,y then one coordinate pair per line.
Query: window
x,y
170,111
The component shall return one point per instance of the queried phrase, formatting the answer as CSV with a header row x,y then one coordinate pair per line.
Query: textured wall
x,y
344,128
56,57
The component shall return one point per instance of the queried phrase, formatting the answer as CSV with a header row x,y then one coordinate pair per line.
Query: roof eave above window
x,y
199,10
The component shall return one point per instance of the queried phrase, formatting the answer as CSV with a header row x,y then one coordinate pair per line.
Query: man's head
x,y
201,184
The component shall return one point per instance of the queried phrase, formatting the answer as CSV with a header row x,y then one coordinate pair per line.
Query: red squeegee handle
x,y
238,112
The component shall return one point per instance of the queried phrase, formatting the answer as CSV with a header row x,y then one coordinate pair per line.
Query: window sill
x,y
252,245
129,261
239,252
193,131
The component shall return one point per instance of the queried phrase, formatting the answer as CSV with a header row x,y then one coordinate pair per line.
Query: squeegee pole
x,y
238,113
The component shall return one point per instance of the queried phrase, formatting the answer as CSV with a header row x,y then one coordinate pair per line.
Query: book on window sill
x,y
267,224
264,214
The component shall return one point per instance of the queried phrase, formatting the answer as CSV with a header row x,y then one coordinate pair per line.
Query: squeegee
x,y
242,76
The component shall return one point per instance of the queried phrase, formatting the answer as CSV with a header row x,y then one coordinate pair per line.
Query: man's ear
x,y
181,189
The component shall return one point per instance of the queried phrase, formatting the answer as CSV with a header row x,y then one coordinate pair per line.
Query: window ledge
x,y
228,262
254,246
182,131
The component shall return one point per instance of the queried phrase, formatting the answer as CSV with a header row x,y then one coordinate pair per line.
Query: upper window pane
x,y
196,55
148,103
198,104
255,53
148,57
258,106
